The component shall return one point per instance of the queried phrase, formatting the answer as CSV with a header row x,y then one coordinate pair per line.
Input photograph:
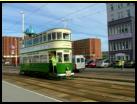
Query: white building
x,y
121,30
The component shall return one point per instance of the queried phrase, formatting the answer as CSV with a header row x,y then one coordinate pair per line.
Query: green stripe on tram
x,y
44,67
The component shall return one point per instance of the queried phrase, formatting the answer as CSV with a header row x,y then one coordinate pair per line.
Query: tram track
x,y
82,88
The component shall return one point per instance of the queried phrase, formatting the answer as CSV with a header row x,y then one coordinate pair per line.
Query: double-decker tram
x,y
36,52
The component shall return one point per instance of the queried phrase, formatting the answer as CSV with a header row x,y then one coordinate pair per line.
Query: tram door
x,y
51,68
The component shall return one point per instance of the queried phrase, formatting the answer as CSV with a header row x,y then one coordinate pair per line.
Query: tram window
x,y
66,57
36,59
40,39
59,35
43,58
30,59
49,36
65,35
35,40
53,36
59,56
44,38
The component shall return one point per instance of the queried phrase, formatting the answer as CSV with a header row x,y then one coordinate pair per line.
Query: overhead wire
x,y
72,13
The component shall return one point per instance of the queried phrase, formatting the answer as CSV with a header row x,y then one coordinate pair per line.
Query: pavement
x,y
14,93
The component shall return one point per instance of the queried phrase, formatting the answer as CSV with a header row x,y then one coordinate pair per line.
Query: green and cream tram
x,y
35,53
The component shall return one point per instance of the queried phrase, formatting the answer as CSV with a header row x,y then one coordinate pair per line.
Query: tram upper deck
x,y
51,39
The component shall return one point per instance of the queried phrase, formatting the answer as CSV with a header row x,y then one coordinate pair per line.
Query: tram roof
x,y
53,29
47,31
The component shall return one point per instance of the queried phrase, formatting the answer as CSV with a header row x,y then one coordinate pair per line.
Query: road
x,y
91,85
13,93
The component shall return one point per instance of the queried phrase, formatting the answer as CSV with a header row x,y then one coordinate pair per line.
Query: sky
x,y
86,20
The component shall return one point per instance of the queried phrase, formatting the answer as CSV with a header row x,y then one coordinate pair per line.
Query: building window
x,y
122,30
126,44
111,7
118,15
112,16
128,4
114,46
120,5
128,12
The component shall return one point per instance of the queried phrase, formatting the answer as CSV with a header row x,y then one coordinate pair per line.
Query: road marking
x,y
30,91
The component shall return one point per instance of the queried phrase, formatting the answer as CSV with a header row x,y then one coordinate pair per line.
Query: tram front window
x,y
66,36
59,56
66,57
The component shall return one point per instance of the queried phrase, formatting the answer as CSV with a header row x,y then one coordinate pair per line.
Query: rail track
x,y
79,89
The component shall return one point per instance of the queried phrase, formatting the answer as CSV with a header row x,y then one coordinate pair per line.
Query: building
x,y
10,49
121,30
90,48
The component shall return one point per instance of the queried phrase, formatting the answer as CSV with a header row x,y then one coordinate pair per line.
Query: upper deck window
x,y
53,36
44,38
66,36
49,36
28,42
36,40
59,35
40,38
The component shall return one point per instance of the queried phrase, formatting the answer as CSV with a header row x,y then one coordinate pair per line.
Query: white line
x,y
30,91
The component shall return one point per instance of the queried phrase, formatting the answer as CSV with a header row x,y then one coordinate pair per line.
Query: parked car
x,y
129,64
102,63
118,63
91,64
7,63
79,63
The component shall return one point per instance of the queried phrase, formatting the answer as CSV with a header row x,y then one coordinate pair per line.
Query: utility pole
x,y
16,48
22,23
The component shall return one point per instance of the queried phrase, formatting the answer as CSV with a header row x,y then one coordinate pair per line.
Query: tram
x,y
36,51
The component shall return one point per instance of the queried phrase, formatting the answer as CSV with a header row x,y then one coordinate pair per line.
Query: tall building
x,y
121,30
90,48
10,49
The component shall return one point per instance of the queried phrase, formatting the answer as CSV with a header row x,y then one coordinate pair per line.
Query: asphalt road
x,y
13,93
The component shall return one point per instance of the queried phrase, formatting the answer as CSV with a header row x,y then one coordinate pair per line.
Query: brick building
x,y
10,49
90,48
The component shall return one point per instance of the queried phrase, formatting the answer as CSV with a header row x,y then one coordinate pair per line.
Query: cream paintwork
x,y
55,44
59,30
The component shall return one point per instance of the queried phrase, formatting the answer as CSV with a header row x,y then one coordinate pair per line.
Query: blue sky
x,y
86,20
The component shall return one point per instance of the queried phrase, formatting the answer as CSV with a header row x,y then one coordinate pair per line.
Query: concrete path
x,y
13,93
